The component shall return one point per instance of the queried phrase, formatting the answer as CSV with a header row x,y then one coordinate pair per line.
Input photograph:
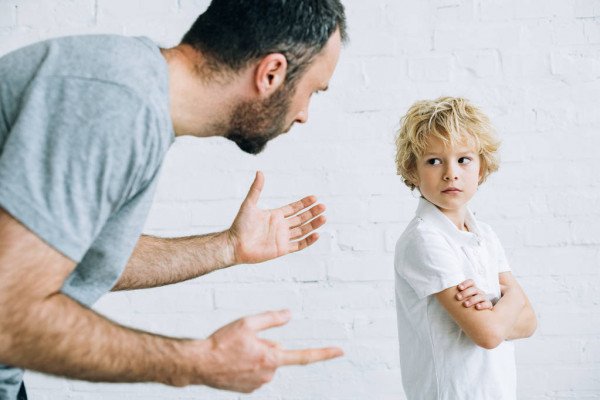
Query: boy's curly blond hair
x,y
450,119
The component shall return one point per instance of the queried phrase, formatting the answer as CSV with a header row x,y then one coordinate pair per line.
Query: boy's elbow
x,y
489,342
489,339
533,324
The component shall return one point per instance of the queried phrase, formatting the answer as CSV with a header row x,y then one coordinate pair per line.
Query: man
x,y
84,124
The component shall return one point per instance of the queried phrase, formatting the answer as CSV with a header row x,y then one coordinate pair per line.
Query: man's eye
x,y
464,160
434,161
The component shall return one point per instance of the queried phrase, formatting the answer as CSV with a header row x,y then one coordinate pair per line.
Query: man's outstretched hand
x,y
236,359
258,235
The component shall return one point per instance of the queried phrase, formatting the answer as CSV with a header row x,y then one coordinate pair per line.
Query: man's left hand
x,y
258,235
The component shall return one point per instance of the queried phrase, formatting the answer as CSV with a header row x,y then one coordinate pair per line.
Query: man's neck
x,y
199,106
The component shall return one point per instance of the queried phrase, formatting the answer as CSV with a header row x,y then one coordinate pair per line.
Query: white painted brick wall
x,y
533,65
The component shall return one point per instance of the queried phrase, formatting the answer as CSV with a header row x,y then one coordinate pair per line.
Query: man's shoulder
x,y
127,61
132,62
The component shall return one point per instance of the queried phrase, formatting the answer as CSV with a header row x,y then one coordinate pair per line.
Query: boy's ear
x,y
481,168
415,181
270,73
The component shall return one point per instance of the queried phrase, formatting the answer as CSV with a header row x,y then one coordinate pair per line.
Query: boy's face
x,y
448,176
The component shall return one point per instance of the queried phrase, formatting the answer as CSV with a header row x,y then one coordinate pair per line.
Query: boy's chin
x,y
451,205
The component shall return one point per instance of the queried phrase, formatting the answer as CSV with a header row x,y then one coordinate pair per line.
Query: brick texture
x,y
534,66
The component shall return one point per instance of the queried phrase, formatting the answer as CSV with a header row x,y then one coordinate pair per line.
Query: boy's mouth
x,y
451,190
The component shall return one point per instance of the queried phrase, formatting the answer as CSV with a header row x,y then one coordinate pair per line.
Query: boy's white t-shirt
x,y
438,360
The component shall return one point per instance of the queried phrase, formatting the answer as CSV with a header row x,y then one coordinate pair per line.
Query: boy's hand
x,y
471,295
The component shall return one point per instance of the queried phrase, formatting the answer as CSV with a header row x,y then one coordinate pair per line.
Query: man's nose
x,y
302,116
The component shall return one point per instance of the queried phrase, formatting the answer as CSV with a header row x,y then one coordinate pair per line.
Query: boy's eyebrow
x,y
462,151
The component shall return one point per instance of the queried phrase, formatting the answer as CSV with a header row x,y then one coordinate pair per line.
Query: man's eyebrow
x,y
324,88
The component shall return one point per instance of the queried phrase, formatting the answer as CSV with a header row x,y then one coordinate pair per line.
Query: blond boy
x,y
458,304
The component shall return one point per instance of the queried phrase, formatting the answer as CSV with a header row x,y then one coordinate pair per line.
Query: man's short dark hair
x,y
233,33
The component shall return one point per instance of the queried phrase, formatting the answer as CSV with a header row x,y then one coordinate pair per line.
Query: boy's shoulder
x,y
420,234
486,230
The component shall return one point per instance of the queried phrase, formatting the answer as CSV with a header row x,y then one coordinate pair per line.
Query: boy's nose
x,y
449,175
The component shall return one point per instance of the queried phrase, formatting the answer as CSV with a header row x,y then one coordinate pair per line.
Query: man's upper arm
x,y
77,152
30,270
479,325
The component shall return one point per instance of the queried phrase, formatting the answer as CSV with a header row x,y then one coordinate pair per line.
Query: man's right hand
x,y
234,358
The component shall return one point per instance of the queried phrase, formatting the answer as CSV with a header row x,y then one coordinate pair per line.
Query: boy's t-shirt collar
x,y
430,213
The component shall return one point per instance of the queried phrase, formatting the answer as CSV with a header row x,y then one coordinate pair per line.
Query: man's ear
x,y
270,73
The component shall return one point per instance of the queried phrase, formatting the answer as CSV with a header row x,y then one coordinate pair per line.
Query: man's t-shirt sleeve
x,y
73,156
428,263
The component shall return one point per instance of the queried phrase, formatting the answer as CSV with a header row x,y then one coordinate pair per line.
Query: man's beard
x,y
253,124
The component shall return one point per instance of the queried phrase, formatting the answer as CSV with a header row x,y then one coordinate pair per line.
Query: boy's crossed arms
x,y
489,325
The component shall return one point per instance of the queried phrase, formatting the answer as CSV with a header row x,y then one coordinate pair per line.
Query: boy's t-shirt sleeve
x,y
428,263
74,155
497,250
500,254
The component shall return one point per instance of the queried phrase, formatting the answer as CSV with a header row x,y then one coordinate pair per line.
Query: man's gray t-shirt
x,y
84,127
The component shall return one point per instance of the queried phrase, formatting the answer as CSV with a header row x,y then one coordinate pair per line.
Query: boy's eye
x,y
434,161
464,160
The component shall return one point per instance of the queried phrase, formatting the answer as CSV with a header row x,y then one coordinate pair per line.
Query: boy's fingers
x,y
484,305
468,292
466,284
478,298
308,356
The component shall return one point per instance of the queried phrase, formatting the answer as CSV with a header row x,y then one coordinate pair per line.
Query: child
x,y
450,268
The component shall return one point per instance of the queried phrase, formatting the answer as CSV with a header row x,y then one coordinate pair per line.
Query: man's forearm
x,y
81,344
161,261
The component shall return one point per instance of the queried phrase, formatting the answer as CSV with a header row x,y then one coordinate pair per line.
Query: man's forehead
x,y
325,62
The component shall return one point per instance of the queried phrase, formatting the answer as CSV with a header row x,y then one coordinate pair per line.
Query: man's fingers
x,y
297,206
266,320
308,356
256,188
304,243
305,229
307,215
271,344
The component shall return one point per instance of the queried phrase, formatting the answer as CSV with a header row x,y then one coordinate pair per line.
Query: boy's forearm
x,y
526,323
161,261
507,311
488,327
81,344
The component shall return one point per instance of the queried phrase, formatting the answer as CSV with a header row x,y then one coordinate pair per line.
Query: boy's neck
x,y
457,217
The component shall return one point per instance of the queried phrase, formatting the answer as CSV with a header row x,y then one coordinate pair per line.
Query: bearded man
x,y
85,122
